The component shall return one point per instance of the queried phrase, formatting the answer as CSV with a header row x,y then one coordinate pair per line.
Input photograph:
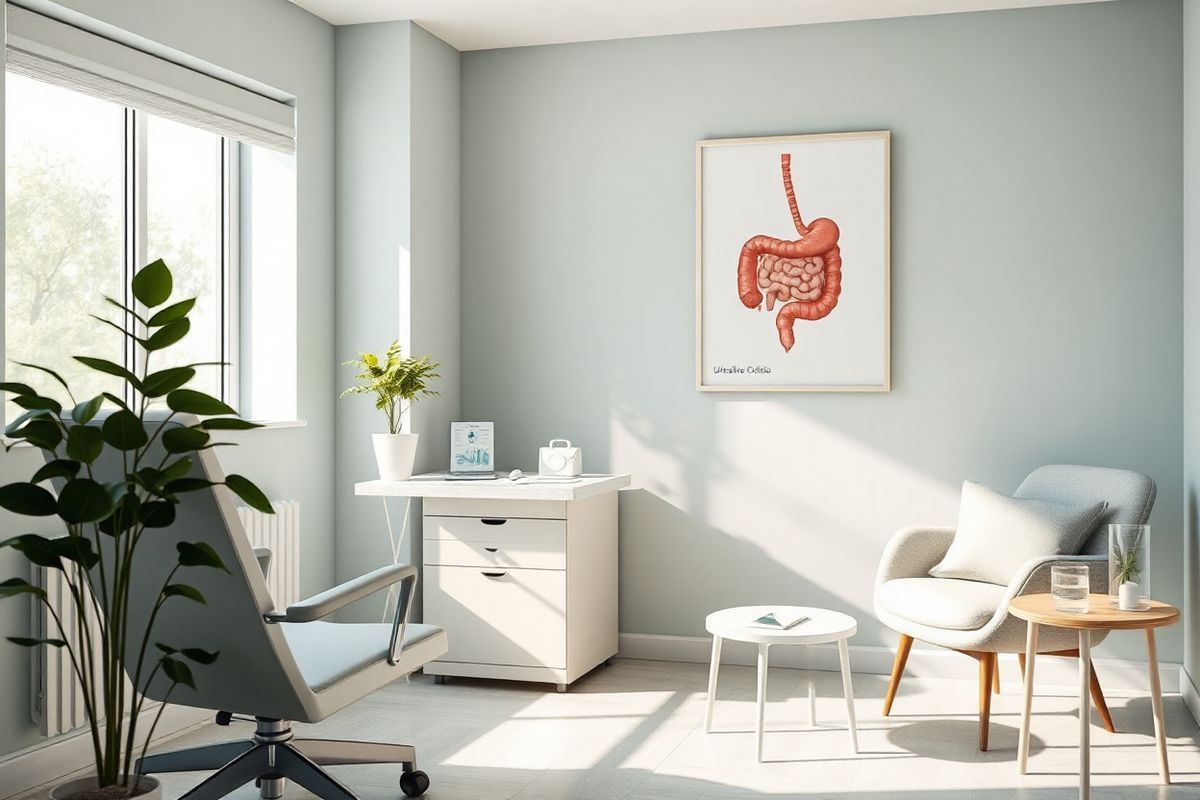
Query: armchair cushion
x,y
998,534
944,603
328,652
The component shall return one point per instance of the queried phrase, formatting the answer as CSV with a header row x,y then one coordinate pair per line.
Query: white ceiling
x,y
485,24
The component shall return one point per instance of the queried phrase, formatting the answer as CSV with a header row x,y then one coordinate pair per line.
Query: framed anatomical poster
x,y
792,263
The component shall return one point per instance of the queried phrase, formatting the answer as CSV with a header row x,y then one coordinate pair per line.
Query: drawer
x,y
515,616
478,507
490,541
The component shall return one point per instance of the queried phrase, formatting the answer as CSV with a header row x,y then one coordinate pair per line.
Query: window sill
x,y
280,423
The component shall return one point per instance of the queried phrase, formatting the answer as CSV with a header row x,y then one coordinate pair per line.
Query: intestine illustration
x,y
804,274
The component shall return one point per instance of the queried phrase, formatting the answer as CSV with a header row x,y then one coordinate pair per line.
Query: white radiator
x,y
57,697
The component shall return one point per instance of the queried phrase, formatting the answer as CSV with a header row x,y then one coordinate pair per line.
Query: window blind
x,y
62,54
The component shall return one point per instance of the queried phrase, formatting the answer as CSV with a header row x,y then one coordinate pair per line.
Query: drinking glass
x,y
1069,587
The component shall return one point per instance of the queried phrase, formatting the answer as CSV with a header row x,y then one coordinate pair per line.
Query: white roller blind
x,y
58,53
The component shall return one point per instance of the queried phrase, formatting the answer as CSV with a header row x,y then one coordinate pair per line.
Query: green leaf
x,y
199,554
188,485
165,648
25,641
190,401
24,417
183,590
34,402
126,309
58,468
83,500
152,284
15,586
110,368
228,424
251,494
124,431
167,335
48,371
40,432
37,549
85,443
168,380
178,672
183,440
198,655
171,313
86,411
28,499
117,401
76,549
125,513
16,388
114,326
175,470
157,514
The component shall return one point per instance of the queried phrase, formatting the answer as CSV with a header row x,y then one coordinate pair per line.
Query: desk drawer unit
x,y
496,542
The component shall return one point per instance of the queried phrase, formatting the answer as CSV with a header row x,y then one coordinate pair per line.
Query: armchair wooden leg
x,y
902,651
987,667
1101,705
996,675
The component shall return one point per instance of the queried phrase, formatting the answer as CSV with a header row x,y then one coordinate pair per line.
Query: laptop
x,y
472,455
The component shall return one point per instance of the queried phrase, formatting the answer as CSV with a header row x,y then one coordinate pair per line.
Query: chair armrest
x,y
1034,577
912,552
263,554
325,603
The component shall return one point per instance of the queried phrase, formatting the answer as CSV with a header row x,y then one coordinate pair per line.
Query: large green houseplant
x,y
394,380
104,522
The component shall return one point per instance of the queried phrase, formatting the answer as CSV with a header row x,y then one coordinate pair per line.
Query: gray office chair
x,y
275,666
972,617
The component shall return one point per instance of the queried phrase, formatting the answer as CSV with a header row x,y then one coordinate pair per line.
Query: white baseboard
x,y
1118,677
1191,695
49,762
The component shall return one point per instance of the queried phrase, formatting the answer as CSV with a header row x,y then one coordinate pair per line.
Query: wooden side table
x,y
1102,615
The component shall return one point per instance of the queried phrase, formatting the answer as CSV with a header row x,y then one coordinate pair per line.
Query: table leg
x,y
763,658
1160,728
848,688
1085,713
812,702
713,669
1031,638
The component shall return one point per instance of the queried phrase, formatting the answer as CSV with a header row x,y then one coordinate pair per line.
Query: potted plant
x,y
393,380
105,522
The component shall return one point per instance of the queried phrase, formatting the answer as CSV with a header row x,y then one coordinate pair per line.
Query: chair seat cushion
x,y
328,652
945,603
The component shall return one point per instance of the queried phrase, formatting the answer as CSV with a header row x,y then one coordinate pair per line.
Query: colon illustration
x,y
804,275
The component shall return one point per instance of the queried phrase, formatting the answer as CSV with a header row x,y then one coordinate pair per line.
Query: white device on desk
x,y
560,458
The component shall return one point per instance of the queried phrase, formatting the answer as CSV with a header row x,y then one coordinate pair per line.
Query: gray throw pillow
x,y
997,534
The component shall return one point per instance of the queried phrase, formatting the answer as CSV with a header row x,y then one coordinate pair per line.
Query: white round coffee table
x,y
822,627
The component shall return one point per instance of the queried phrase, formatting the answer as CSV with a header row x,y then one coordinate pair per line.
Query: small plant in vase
x,y
395,381
1126,565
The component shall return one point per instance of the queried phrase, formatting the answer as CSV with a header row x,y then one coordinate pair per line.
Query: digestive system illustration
x,y
804,275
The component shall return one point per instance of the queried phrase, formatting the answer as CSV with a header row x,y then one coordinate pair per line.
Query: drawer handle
x,y
493,574
491,549
492,521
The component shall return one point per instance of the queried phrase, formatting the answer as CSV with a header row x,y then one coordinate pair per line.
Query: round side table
x,y
823,626
1101,615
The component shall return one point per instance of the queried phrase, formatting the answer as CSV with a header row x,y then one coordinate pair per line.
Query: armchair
x,y
972,617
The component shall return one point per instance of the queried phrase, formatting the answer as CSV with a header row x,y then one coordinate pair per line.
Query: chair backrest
x,y
1130,495
255,673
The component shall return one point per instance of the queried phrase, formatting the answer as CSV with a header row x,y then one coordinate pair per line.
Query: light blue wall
x,y
275,43
1036,263
1191,339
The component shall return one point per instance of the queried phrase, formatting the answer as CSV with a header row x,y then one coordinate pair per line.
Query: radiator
x,y
56,702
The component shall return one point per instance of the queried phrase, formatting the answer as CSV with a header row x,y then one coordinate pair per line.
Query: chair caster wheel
x,y
414,784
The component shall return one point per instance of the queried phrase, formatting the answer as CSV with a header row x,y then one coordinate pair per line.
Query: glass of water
x,y
1069,587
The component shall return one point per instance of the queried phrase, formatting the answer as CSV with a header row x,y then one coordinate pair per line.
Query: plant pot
x,y
395,454
67,791
1129,596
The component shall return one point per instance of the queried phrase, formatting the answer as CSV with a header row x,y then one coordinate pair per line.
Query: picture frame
x,y
828,291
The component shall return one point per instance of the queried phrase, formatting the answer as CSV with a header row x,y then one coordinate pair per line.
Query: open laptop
x,y
472,455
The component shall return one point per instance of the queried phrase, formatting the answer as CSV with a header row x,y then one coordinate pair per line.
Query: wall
x,y
1191,337
287,463
398,259
1036,258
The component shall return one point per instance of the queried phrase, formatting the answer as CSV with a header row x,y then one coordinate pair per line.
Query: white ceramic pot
x,y
64,790
395,454
1130,596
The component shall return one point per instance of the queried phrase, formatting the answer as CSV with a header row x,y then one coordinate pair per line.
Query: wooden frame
x,y
701,146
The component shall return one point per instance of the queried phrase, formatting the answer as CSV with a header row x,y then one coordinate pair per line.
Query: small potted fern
x,y
396,382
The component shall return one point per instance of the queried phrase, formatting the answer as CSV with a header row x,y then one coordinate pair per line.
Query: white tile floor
x,y
635,730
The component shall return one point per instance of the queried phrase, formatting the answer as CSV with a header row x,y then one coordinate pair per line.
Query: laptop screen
x,y
471,448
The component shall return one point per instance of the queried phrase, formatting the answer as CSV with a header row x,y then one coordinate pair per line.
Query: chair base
x,y
274,756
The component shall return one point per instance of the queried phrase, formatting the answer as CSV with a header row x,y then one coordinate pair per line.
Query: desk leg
x,y
763,658
848,688
1085,713
396,540
1031,638
713,669
1160,728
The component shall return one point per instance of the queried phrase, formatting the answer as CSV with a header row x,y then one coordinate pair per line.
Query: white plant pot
x,y
395,454
1130,596
64,790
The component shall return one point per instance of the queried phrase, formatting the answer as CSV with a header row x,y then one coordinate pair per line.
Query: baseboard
x,y
1191,695
51,761
1052,673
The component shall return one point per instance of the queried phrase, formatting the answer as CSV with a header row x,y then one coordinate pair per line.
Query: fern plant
x,y
1126,562
394,380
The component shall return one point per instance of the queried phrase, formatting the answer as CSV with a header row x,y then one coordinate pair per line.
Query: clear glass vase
x,y
1129,566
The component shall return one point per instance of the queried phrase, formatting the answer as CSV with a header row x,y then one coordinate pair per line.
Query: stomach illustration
x,y
803,276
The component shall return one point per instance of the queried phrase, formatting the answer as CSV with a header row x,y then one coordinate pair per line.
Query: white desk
x,y
521,574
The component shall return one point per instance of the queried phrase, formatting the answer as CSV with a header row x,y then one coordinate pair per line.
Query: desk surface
x,y
500,489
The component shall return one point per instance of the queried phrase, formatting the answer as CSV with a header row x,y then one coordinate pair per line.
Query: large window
x,y
94,191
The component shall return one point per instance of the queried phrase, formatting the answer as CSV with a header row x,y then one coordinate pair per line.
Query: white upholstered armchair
x,y
971,616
